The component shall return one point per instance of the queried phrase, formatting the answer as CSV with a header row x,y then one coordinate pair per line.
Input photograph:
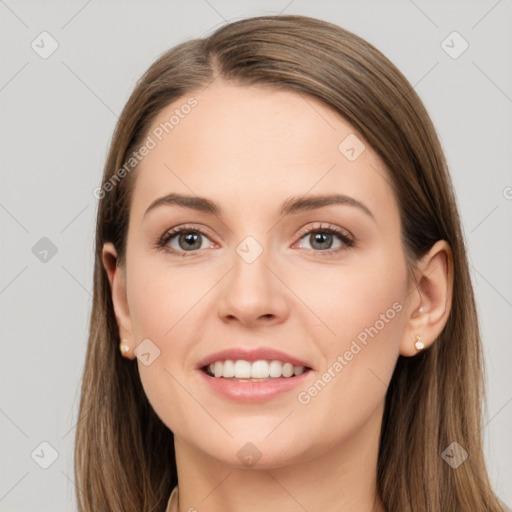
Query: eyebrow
x,y
290,206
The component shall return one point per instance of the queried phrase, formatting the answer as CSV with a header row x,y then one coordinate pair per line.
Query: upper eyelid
x,y
324,226
300,232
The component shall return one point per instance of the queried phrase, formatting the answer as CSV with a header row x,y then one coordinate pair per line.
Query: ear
x,y
431,289
117,280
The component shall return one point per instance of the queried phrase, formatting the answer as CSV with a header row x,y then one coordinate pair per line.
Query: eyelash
x,y
169,235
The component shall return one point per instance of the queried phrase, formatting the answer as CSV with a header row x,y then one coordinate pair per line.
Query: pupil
x,y
321,237
191,240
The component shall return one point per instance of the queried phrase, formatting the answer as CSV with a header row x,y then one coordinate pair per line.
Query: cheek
x,y
161,299
362,307
370,306
361,301
163,303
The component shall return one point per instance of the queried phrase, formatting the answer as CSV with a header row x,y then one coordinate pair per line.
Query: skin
x,y
249,149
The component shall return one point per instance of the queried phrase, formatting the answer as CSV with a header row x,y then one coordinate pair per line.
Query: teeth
x,y
261,369
275,369
298,370
229,369
287,369
242,369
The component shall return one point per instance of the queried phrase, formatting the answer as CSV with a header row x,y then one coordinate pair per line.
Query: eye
x,y
188,240
184,239
324,238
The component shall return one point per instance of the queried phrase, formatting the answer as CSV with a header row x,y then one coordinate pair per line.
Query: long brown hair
x,y
124,454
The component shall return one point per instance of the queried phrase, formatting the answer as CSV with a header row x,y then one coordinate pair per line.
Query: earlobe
x,y
117,279
430,303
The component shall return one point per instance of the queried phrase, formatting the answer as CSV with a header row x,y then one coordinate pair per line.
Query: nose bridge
x,y
250,278
251,290
250,250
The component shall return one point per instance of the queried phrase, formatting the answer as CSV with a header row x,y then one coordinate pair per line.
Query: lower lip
x,y
253,391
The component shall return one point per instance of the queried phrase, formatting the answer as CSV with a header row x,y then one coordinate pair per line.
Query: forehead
x,y
244,145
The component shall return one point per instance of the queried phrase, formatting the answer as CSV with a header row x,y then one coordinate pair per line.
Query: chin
x,y
246,452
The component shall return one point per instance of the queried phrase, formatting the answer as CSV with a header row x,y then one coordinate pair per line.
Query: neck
x,y
341,478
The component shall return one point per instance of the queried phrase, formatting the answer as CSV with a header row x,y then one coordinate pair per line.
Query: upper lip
x,y
251,354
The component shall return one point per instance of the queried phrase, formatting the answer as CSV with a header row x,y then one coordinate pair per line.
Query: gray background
x,y
58,115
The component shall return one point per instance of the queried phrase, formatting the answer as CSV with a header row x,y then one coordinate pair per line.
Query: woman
x,y
279,259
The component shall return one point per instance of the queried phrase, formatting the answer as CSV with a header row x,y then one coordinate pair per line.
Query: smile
x,y
242,370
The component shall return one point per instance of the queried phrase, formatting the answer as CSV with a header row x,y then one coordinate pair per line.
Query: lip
x,y
253,391
240,391
251,355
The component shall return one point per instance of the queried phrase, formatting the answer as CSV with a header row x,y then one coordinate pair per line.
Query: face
x,y
271,275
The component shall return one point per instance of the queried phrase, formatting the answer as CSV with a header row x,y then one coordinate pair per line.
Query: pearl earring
x,y
419,343
124,347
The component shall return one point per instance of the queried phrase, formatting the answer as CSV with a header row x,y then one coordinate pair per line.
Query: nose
x,y
252,294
